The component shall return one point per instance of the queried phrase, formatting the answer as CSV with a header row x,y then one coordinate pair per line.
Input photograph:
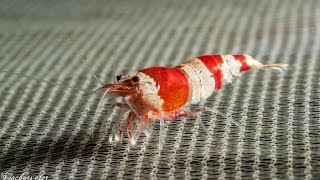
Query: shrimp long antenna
x,y
85,62
74,107
100,102
46,81
114,67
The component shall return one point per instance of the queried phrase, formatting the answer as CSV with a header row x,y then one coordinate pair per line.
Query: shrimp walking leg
x,y
129,124
122,109
111,110
194,112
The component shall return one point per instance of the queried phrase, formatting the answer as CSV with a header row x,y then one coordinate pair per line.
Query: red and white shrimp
x,y
164,93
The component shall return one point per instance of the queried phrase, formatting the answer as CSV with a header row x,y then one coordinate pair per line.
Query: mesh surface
x,y
279,114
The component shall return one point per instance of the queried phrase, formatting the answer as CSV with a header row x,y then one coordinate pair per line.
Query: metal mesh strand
x,y
278,113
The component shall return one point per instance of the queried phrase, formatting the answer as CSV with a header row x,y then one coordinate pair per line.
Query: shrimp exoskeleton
x,y
164,93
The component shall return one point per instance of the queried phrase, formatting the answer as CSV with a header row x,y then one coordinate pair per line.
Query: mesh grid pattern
x,y
279,114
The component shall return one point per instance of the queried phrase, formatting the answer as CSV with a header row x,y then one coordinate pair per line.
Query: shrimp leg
x,y
123,108
129,125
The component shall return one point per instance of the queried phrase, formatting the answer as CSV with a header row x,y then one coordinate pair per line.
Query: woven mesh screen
x,y
278,113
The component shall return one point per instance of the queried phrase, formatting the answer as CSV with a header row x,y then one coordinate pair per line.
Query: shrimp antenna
x,y
46,81
86,64
114,72
100,102
114,67
77,105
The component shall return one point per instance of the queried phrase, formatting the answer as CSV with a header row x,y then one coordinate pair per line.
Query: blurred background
x,y
278,113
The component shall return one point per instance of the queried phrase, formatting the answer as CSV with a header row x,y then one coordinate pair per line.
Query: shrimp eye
x,y
118,77
135,79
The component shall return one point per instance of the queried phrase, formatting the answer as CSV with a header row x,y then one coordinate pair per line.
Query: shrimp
x,y
164,93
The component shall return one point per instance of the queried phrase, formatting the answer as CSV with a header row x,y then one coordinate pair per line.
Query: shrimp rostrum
x,y
164,93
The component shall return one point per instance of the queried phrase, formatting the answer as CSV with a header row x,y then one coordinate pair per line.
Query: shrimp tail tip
x,y
278,67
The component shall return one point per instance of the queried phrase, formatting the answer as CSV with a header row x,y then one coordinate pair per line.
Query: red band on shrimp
x,y
174,86
243,60
213,63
